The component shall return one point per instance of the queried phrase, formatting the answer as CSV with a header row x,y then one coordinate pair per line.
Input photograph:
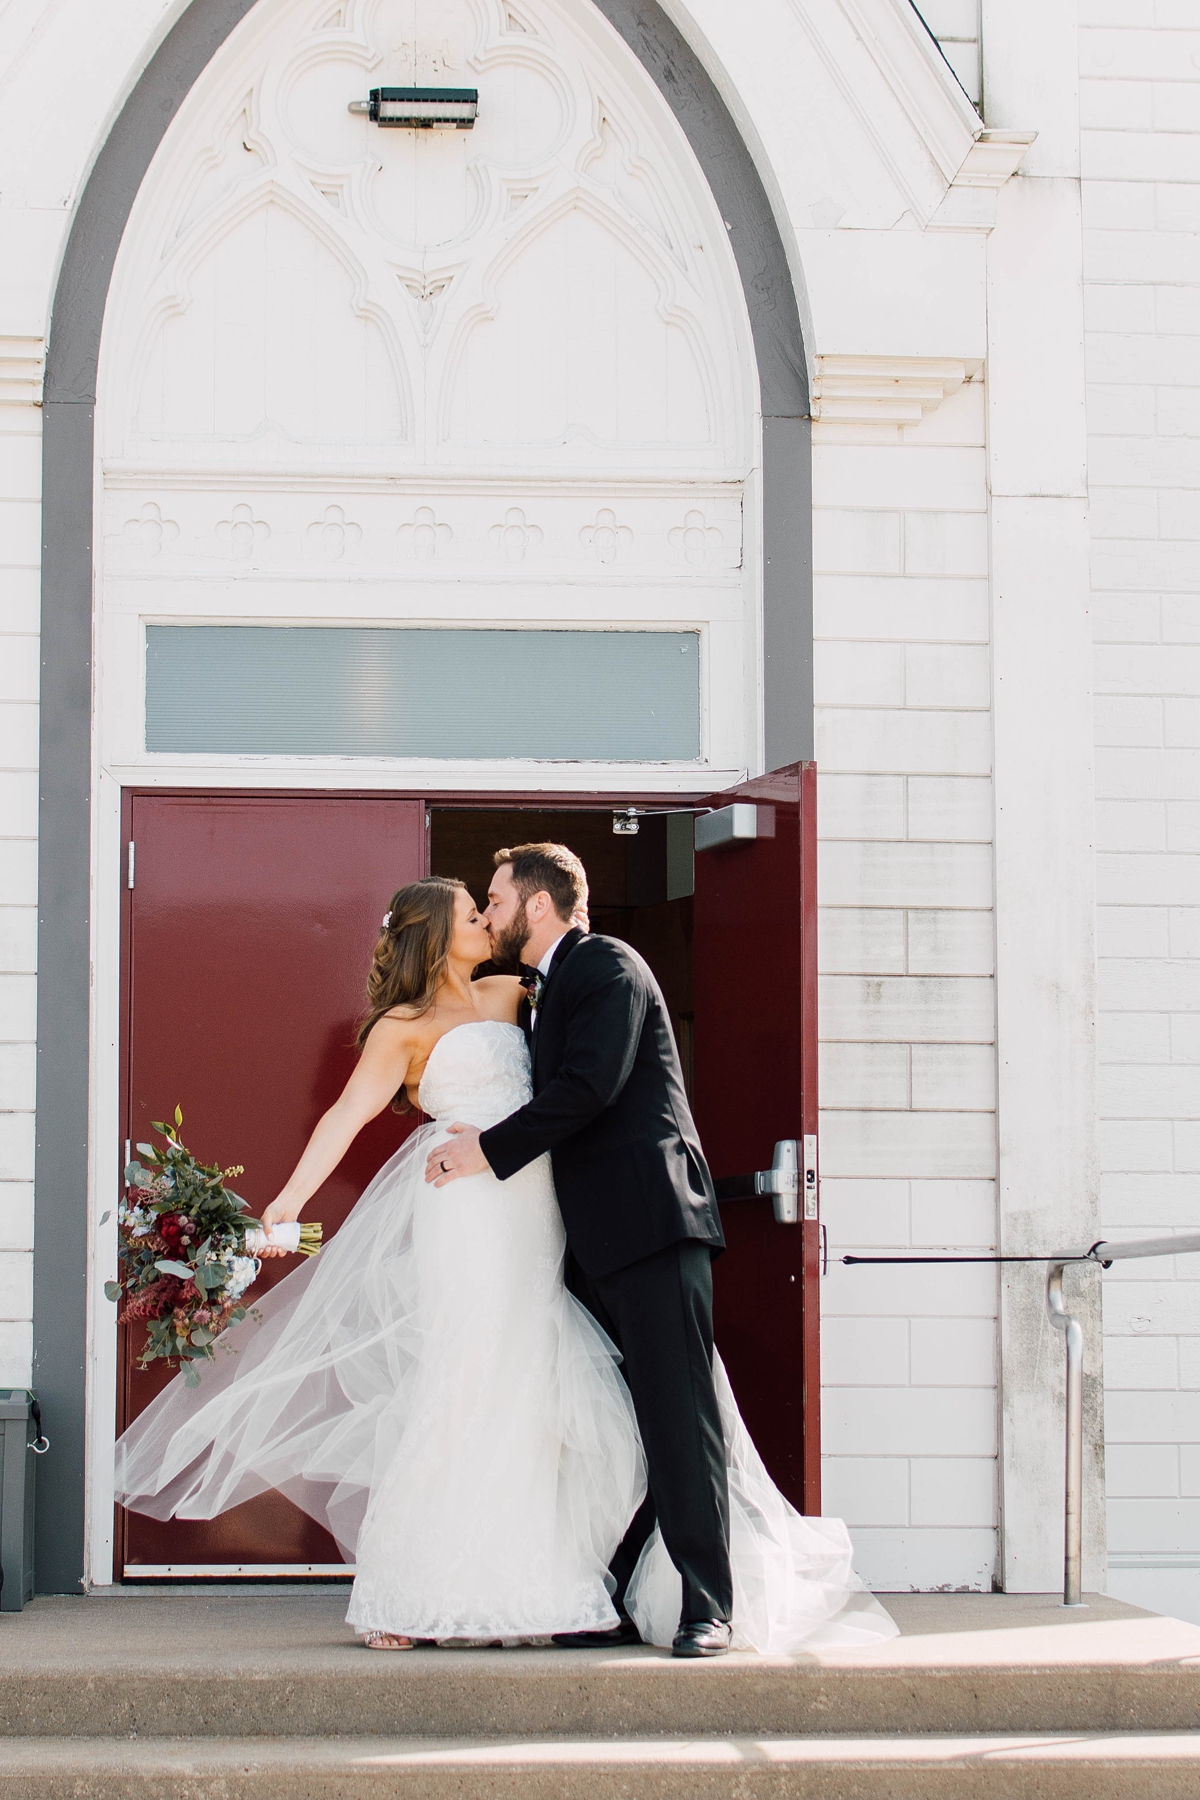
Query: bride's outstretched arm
x,y
380,1074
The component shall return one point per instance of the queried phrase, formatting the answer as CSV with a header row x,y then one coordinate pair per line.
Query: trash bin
x,y
20,1440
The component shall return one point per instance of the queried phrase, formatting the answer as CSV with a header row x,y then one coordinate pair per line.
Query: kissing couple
x,y
497,1386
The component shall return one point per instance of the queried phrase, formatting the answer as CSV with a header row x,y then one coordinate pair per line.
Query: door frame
x,y
114,1051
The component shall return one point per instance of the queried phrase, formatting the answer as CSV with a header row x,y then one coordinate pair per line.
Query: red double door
x,y
247,928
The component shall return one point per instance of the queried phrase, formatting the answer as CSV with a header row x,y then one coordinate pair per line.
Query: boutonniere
x,y
534,986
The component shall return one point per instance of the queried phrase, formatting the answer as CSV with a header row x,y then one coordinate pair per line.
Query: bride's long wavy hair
x,y
409,963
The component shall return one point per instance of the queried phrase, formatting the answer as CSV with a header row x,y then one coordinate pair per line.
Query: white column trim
x,y
1044,839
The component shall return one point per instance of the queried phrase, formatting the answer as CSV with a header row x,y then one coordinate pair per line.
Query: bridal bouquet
x,y
186,1250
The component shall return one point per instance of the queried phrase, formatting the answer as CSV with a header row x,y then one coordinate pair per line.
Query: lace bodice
x,y
477,1073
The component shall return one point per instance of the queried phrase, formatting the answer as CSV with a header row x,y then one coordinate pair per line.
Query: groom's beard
x,y
508,944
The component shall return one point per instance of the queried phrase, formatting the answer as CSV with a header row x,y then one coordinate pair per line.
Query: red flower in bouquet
x,y
185,1257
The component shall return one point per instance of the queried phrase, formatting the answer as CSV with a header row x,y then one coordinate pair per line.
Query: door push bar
x,y
790,1171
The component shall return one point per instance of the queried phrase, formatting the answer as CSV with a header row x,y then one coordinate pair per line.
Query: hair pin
x,y
387,919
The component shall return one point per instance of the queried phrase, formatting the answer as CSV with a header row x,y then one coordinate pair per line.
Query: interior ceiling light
x,y
421,108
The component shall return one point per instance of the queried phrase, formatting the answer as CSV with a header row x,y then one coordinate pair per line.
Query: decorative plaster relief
x,y
150,532
22,362
473,530
241,531
695,538
605,538
333,534
970,202
423,534
514,535
993,157
885,391
294,277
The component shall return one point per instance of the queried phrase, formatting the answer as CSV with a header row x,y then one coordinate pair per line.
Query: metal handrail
x,y
1104,1252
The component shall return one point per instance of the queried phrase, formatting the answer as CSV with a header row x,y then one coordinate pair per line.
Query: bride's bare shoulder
x,y
402,1025
499,995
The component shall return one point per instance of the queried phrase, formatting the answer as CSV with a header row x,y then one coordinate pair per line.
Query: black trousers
x,y
658,1312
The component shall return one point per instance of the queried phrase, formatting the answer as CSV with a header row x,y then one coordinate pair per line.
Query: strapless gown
x,y
428,1390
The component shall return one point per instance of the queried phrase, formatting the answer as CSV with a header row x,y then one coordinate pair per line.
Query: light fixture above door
x,y
421,108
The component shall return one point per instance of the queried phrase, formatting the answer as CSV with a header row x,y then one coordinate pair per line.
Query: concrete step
x,y
1031,1767
225,1666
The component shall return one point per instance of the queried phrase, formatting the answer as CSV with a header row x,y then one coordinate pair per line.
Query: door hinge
x,y
129,864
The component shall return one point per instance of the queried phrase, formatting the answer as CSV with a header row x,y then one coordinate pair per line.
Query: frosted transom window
x,y
578,696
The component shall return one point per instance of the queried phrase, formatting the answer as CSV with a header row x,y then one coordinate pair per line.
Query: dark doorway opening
x,y
640,884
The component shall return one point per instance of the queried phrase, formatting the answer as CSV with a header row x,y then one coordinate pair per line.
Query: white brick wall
x,y
1140,112
955,25
907,1008
20,480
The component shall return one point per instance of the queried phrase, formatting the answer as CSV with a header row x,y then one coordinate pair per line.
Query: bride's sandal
x,y
387,1640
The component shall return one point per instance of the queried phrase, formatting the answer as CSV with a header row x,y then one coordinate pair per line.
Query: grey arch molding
x,y
68,460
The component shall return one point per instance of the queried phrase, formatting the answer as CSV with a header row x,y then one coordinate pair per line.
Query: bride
x,y
429,1391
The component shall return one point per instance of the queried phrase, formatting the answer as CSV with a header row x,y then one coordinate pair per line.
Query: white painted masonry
x,y
908,1073
942,299
955,25
1140,117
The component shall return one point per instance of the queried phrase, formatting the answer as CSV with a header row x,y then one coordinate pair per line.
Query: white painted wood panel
x,y
960,1213
943,610
949,1144
916,874
855,1076
951,943
16,1215
861,806
919,743
856,940
908,1009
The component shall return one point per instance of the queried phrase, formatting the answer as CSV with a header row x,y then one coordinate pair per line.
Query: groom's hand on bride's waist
x,y
461,1156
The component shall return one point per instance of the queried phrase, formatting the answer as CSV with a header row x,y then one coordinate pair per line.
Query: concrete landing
x,y
244,1666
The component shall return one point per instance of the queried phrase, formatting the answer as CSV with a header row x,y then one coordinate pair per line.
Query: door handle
x,y
781,1181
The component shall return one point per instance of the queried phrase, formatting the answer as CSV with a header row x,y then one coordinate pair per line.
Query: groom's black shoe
x,y
702,1637
624,1632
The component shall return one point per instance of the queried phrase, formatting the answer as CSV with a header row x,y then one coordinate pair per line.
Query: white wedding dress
x,y
428,1390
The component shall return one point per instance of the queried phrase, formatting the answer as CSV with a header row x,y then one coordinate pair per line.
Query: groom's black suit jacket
x,y
609,1105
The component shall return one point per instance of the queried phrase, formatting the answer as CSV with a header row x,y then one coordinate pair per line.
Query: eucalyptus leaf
x,y
105,1217
183,1270
202,1336
112,1290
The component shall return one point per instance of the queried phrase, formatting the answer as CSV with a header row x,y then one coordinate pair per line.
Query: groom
x,y
637,1201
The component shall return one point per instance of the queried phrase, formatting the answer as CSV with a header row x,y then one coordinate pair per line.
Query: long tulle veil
x,y
311,1393
306,1395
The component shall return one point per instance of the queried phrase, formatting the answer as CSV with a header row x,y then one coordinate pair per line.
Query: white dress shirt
x,y
544,970
544,965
